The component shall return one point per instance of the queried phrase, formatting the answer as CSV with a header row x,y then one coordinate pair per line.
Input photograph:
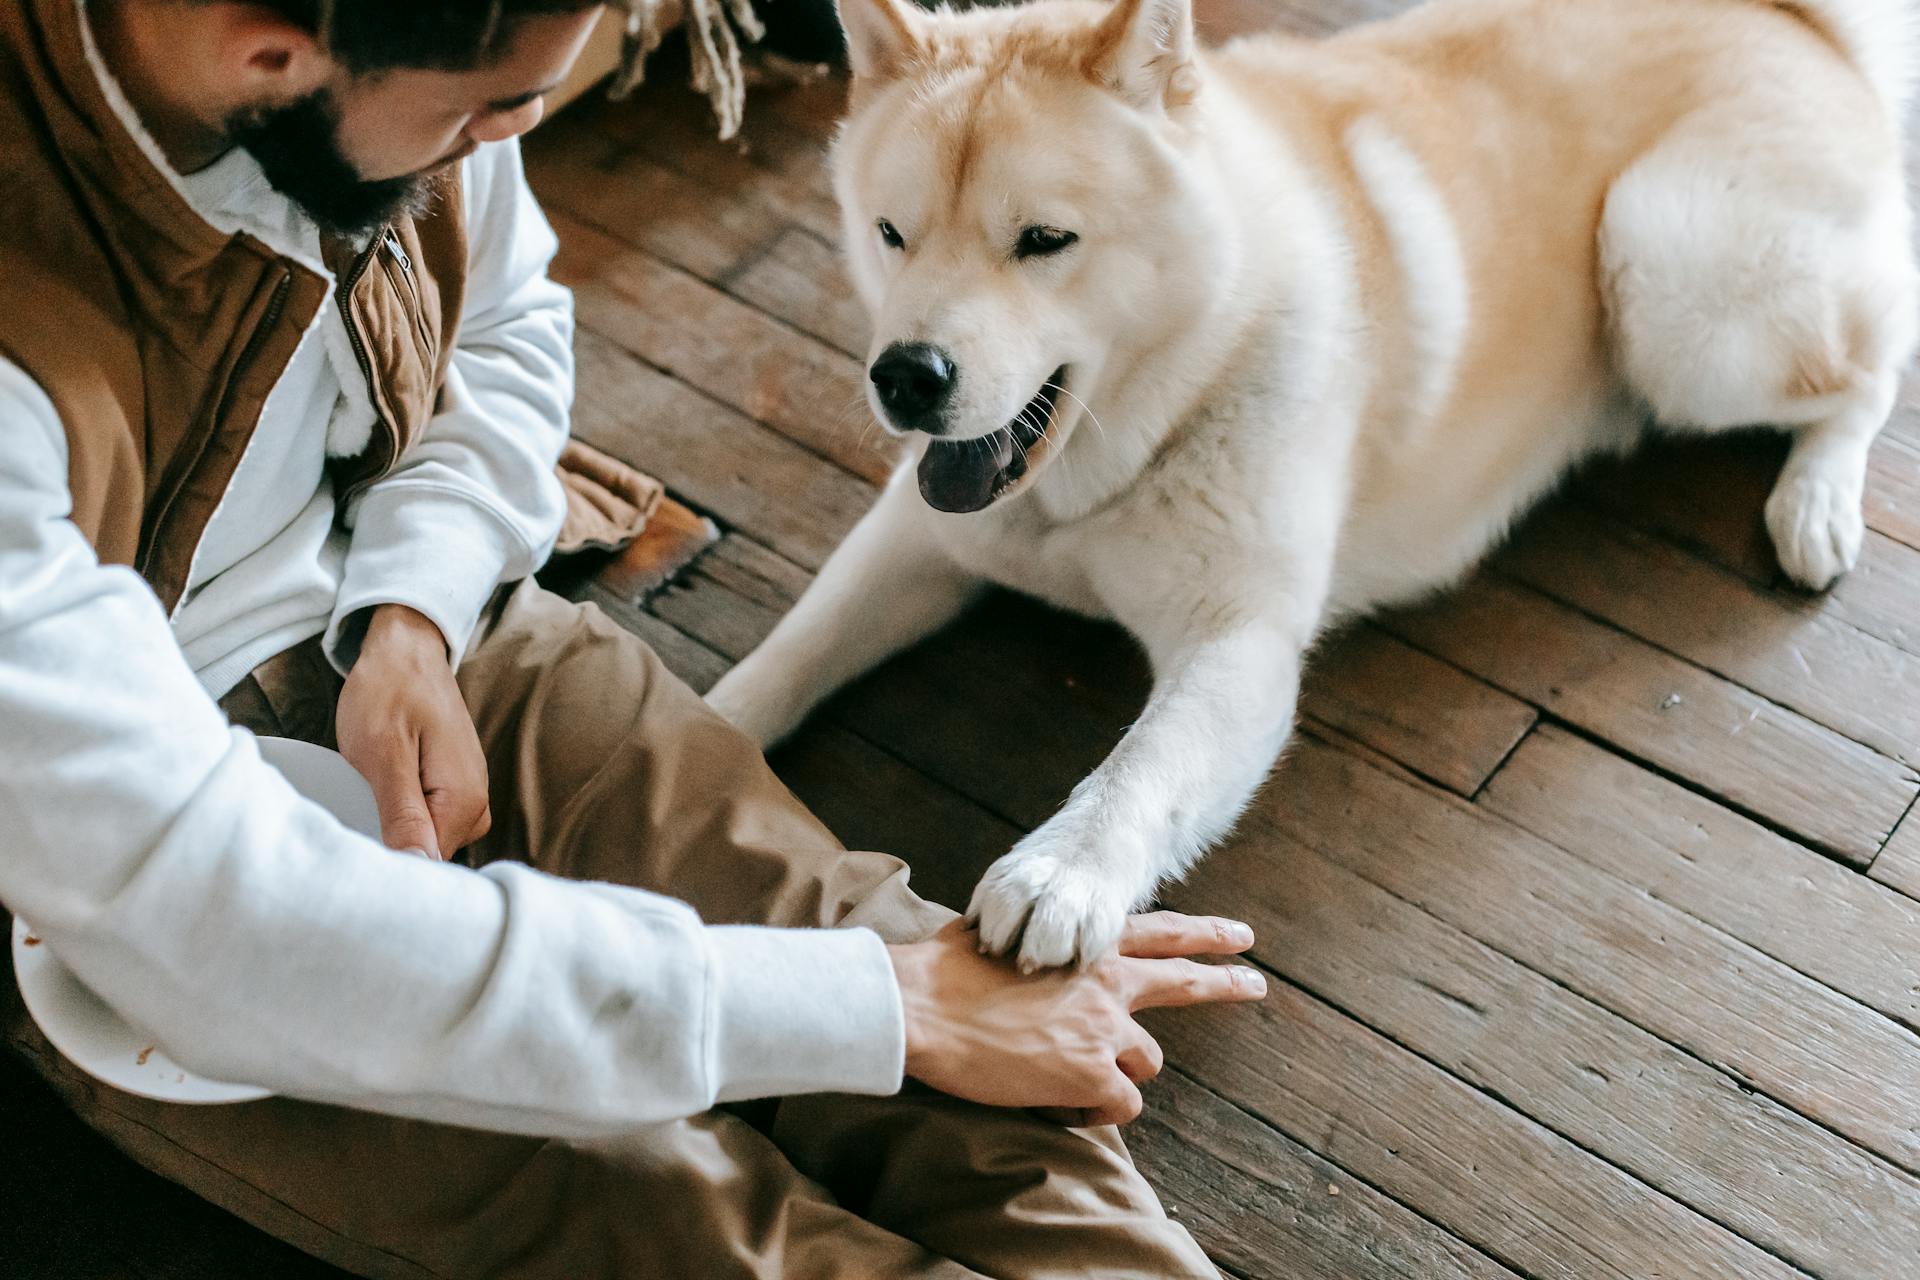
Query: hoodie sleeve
x,y
258,940
475,502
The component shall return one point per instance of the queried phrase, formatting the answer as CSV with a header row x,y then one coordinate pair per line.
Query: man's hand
x,y
402,724
1064,1041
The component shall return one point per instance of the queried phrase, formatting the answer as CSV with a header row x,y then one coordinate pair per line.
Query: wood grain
x,y
1793,652
1893,489
1802,909
1270,1209
645,204
1692,1131
1761,757
1899,866
1434,718
1818,1052
1454,1154
807,391
718,460
801,279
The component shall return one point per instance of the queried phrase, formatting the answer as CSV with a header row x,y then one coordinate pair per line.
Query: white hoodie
x,y
249,933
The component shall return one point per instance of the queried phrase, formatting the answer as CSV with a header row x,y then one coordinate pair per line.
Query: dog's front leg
x,y
888,585
1221,709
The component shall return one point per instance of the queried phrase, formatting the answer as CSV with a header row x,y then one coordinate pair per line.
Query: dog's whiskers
x,y
1086,408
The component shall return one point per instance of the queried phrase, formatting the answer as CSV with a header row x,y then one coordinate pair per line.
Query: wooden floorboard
x,y
1761,757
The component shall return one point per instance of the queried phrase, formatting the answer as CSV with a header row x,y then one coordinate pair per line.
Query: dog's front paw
x,y
1058,908
1817,528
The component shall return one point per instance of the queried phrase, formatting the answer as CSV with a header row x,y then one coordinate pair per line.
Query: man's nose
x,y
915,380
497,126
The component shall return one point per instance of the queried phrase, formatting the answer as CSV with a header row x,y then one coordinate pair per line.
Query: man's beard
x,y
298,148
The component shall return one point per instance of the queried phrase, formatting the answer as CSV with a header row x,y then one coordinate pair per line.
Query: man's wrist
x,y
399,627
911,977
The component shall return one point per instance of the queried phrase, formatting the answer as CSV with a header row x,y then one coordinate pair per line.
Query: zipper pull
x,y
399,254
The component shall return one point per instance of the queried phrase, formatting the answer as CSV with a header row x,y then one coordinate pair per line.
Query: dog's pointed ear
x,y
1143,50
882,35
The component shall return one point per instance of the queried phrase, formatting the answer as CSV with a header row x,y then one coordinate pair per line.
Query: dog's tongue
x,y
961,475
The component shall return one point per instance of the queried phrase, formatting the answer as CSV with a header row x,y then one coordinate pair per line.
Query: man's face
x,y
361,149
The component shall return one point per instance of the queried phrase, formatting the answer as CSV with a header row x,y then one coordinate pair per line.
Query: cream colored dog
x,y
1232,345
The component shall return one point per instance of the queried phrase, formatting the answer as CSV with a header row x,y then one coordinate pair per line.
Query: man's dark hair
x,y
367,36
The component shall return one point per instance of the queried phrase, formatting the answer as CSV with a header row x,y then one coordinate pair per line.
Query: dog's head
x,y
1022,218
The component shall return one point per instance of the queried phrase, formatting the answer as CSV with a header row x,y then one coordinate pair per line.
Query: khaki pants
x,y
606,767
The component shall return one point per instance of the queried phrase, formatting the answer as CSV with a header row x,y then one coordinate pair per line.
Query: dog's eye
x,y
1039,242
890,235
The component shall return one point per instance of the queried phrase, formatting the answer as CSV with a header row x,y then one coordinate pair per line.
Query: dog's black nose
x,y
914,380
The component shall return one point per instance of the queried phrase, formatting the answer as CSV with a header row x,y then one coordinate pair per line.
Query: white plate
x,y
102,1043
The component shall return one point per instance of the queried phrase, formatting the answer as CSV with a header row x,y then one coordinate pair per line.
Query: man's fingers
x,y
458,820
405,820
1121,1105
1141,1061
453,770
1160,934
1162,983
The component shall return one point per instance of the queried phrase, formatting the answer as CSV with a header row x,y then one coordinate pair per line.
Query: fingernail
x,y
1242,934
1256,982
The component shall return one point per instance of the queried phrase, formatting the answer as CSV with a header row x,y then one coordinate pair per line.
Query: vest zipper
x,y
354,340
399,254
345,296
276,304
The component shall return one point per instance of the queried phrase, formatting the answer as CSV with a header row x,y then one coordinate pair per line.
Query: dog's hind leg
x,y
886,587
1756,269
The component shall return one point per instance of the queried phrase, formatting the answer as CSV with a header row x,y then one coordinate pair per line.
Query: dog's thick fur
x,y
1338,311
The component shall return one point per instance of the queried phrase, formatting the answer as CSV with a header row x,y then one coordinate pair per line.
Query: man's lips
x,y
967,475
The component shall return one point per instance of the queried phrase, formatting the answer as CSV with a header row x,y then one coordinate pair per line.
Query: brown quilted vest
x,y
157,337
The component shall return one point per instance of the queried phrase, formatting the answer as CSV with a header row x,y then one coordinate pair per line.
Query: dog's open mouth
x,y
967,475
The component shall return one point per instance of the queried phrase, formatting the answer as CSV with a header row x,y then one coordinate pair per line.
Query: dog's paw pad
x,y
1816,526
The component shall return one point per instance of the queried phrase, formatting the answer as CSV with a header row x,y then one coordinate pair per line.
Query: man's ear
x,y
266,57
1143,50
882,36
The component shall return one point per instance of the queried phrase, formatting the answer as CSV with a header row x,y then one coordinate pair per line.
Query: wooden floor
x,y
1586,893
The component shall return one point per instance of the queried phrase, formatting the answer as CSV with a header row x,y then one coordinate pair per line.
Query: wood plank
x,y
801,279
1432,717
1685,1128
1824,1055
1452,1153
648,206
1899,866
729,617
1881,595
1893,488
1761,757
871,800
782,169
1802,909
745,475
811,393
1706,495
1797,654
1270,1209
